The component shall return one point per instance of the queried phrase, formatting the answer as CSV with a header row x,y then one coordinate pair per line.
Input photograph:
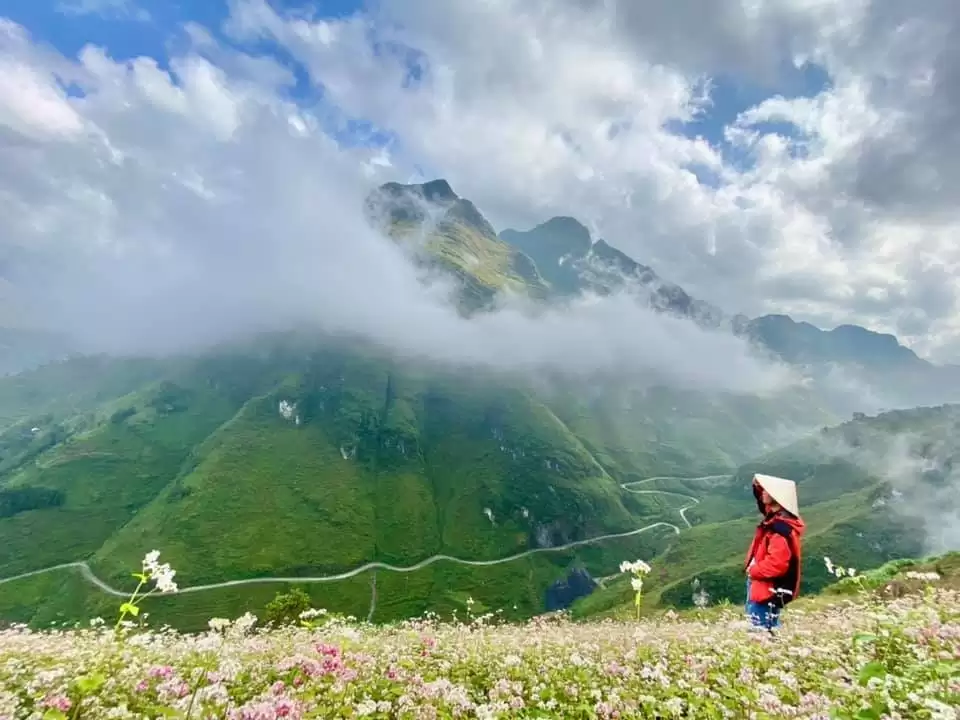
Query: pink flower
x,y
328,650
58,702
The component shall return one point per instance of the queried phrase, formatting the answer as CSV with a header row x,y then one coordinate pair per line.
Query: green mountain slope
x,y
448,232
313,464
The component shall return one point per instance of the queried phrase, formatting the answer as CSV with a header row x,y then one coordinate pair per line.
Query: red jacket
x,y
774,558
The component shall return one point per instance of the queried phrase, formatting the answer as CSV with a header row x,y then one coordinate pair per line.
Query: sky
x,y
169,167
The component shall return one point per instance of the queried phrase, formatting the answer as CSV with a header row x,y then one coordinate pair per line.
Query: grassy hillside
x,y
312,463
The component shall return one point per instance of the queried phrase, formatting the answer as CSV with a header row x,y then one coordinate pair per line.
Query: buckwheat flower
x,y
151,561
218,624
244,623
366,707
829,564
637,584
675,705
58,702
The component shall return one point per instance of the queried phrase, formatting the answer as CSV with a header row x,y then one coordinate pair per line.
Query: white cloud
x,y
535,108
187,206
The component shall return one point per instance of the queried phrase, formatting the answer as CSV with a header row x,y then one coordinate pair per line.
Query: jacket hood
x,y
794,521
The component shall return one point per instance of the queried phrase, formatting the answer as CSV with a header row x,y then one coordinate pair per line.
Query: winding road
x,y
90,577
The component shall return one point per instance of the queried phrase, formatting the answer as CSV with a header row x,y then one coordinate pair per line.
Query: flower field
x,y
857,658
897,659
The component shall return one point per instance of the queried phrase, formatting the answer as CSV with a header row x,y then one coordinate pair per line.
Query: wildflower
x,y
218,624
637,566
58,702
161,574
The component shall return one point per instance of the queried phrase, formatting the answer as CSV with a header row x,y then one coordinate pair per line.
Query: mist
x,y
922,468
148,213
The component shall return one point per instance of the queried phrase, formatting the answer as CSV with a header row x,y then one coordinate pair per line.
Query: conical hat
x,y
781,490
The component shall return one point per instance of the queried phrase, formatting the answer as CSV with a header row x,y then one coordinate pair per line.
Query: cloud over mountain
x,y
702,148
154,209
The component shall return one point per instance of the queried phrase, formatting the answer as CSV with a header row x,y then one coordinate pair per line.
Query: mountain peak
x,y
438,190
568,226
552,242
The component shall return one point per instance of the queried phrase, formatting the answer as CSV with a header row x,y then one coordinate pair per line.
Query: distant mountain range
x,y
559,259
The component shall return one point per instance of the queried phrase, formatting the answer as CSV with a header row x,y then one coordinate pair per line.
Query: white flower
x,y
636,584
218,624
311,613
150,561
366,707
851,572
826,561
637,566
163,577
243,623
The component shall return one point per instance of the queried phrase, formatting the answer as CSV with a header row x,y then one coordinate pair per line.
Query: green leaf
x,y
54,715
864,638
89,684
871,670
129,607
867,714
167,711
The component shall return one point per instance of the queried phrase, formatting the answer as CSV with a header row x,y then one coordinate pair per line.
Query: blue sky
x,y
124,35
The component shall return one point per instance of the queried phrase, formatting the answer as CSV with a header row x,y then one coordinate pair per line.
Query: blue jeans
x,y
762,615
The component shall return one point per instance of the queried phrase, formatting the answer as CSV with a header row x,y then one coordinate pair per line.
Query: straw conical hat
x,y
781,490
